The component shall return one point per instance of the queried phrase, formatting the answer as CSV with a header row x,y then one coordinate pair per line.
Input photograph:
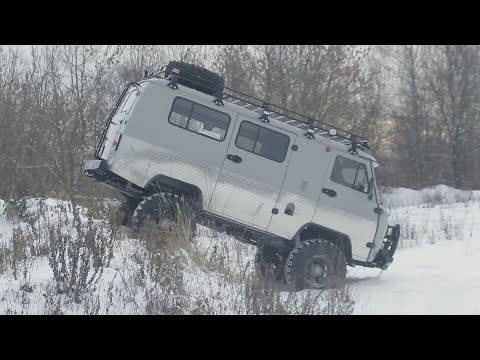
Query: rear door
x,y
117,122
253,171
345,204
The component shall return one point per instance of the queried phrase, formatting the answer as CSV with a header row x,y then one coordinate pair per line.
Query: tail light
x,y
117,142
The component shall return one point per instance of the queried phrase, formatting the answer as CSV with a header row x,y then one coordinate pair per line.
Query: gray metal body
x,y
249,192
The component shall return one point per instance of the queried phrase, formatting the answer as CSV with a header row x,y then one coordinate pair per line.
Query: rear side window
x,y
262,141
199,119
350,173
129,100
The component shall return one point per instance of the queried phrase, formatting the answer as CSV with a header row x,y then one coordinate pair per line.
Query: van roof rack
x,y
313,126
271,111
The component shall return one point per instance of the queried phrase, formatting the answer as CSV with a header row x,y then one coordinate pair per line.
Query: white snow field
x,y
435,270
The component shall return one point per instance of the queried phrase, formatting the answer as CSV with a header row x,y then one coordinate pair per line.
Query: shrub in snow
x,y
96,268
77,257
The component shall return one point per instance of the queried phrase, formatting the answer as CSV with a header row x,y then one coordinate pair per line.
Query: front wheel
x,y
315,264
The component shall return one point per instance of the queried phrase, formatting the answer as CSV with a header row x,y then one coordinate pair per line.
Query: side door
x,y
345,204
301,187
253,171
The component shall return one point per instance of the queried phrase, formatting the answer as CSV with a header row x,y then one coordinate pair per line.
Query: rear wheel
x,y
270,262
315,264
169,211
126,210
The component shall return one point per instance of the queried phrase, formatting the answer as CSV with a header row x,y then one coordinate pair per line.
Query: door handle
x,y
329,192
235,158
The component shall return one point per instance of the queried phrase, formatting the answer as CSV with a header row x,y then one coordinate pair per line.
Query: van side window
x,y
199,119
350,173
262,141
128,100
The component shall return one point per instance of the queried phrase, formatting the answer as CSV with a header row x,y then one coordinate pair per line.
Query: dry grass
x,y
154,271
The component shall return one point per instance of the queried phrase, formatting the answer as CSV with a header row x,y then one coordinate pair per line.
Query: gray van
x,y
301,190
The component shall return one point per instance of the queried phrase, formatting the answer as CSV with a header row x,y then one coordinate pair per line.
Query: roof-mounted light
x,y
332,132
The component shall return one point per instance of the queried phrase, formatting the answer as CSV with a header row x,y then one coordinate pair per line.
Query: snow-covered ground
x,y
435,271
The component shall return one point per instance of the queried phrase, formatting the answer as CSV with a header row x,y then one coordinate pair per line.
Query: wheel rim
x,y
316,272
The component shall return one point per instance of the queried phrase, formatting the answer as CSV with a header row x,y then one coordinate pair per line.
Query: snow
x,y
433,279
440,194
436,268
435,271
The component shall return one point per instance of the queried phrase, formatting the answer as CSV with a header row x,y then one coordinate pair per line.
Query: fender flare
x,y
313,230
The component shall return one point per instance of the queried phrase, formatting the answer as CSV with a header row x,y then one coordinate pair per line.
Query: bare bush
x,y
158,271
152,276
72,255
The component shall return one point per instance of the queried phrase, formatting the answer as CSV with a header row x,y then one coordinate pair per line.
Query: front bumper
x,y
385,255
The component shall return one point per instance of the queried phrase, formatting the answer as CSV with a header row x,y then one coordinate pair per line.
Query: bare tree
x,y
321,81
236,64
435,114
54,105
413,123
11,67
277,71
195,54
454,80
138,58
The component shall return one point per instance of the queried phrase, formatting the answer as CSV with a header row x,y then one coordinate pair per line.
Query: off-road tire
x,y
162,209
196,77
126,210
270,263
315,264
